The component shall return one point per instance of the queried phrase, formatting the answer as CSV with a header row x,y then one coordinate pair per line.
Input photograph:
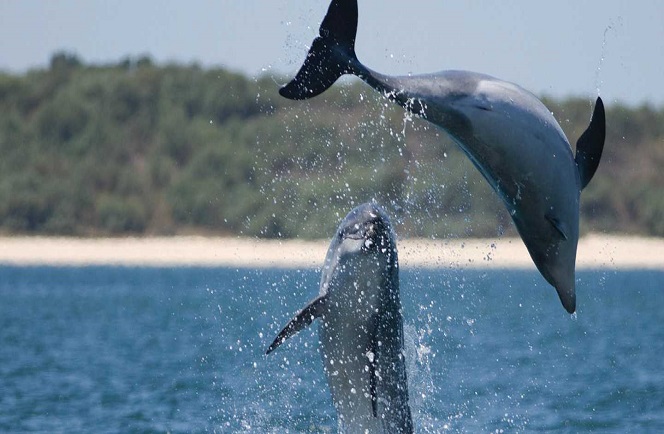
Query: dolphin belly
x,y
361,327
519,148
361,344
347,358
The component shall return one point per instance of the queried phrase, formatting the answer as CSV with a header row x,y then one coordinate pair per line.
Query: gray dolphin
x,y
508,134
361,329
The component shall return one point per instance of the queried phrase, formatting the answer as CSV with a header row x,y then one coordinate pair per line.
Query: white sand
x,y
594,251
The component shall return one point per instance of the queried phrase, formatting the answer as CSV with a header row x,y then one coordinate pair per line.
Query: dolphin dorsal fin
x,y
590,145
305,317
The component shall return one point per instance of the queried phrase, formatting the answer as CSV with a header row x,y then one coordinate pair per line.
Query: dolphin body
x,y
508,134
361,328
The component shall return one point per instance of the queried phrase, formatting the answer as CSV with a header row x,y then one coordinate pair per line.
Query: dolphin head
x,y
556,262
366,229
364,234
367,222
552,243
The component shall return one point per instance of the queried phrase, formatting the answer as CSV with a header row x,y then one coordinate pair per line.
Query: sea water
x,y
105,349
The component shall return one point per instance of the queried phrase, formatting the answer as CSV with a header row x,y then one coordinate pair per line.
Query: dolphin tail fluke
x,y
331,55
590,145
303,318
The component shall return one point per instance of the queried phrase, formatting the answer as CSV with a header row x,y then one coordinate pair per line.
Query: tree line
x,y
139,148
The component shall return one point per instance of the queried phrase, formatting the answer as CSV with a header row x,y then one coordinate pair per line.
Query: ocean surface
x,y
124,350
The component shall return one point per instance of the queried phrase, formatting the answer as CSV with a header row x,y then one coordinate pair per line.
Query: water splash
x,y
420,377
613,27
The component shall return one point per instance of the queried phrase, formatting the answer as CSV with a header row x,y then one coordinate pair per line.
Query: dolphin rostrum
x,y
508,134
361,328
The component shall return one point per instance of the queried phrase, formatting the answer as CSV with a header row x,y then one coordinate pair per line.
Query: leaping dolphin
x,y
508,134
361,330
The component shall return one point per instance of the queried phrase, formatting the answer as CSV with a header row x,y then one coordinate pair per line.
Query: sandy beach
x,y
594,251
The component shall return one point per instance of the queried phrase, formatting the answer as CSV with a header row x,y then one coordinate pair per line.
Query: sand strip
x,y
594,251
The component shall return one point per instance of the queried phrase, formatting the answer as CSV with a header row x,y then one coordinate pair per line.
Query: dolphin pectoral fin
x,y
590,145
372,354
373,382
303,318
331,55
558,226
374,397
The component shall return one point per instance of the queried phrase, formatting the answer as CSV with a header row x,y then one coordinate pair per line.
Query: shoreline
x,y
594,251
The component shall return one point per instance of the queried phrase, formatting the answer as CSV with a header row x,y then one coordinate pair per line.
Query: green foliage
x,y
119,215
138,148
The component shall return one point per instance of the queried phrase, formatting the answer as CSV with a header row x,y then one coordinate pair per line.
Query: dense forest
x,y
139,148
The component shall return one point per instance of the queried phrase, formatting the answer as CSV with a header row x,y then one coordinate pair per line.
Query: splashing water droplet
x,y
613,26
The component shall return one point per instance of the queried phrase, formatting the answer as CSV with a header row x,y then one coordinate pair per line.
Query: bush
x,y
118,215
136,147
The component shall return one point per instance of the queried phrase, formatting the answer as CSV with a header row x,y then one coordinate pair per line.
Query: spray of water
x,y
612,27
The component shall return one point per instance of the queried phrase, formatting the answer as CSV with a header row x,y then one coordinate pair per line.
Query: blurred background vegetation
x,y
136,148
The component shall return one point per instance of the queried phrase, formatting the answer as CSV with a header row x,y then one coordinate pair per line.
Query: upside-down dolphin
x,y
361,328
508,134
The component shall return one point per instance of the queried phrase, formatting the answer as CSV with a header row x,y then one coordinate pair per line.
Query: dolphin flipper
x,y
558,226
331,55
590,145
303,318
372,355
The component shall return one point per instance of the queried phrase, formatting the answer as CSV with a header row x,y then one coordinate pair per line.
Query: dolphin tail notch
x,y
590,145
303,319
332,54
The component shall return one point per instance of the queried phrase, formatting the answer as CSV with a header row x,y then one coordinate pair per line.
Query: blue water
x,y
181,350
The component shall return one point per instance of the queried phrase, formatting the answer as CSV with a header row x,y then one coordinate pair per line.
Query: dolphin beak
x,y
366,237
559,272
557,266
351,242
567,297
